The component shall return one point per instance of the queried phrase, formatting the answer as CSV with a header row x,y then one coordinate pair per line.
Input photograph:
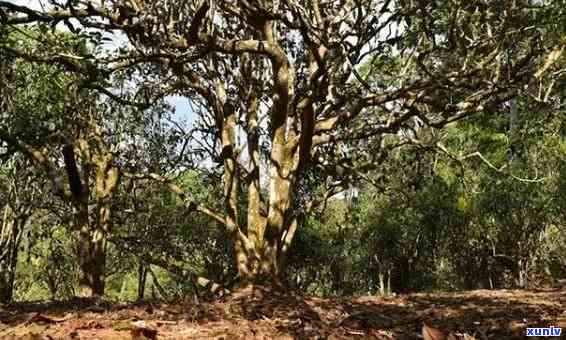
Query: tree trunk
x,y
260,246
6,254
388,281
523,273
256,266
10,236
92,233
142,276
256,252
92,236
155,284
382,285
91,254
90,249
263,262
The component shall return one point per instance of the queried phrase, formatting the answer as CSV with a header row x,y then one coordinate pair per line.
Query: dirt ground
x,y
255,313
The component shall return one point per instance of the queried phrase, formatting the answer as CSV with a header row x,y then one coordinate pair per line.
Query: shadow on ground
x,y
260,313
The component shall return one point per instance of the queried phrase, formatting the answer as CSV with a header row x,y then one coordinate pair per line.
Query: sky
x,y
181,104
183,110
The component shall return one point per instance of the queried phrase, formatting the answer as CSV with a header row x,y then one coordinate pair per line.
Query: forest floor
x,y
254,313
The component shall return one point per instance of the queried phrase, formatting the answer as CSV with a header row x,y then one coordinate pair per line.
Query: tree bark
x,y
92,231
92,262
91,255
10,237
142,276
7,265
381,276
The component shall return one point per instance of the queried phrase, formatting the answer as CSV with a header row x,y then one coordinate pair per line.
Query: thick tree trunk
x,y
263,262
256,266
261,244
90,248
92,262
92,233
91,254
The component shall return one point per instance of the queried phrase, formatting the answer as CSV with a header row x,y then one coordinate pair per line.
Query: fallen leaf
x,y
38,317
430,333
141,330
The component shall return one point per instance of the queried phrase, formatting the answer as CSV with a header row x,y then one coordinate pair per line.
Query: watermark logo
x,y
544,331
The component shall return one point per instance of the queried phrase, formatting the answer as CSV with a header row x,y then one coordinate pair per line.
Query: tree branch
x,y
192,205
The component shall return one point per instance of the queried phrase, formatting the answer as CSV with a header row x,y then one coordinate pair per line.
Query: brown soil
x,y
256,313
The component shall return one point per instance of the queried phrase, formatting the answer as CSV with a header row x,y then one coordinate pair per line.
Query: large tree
x,y
279,88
